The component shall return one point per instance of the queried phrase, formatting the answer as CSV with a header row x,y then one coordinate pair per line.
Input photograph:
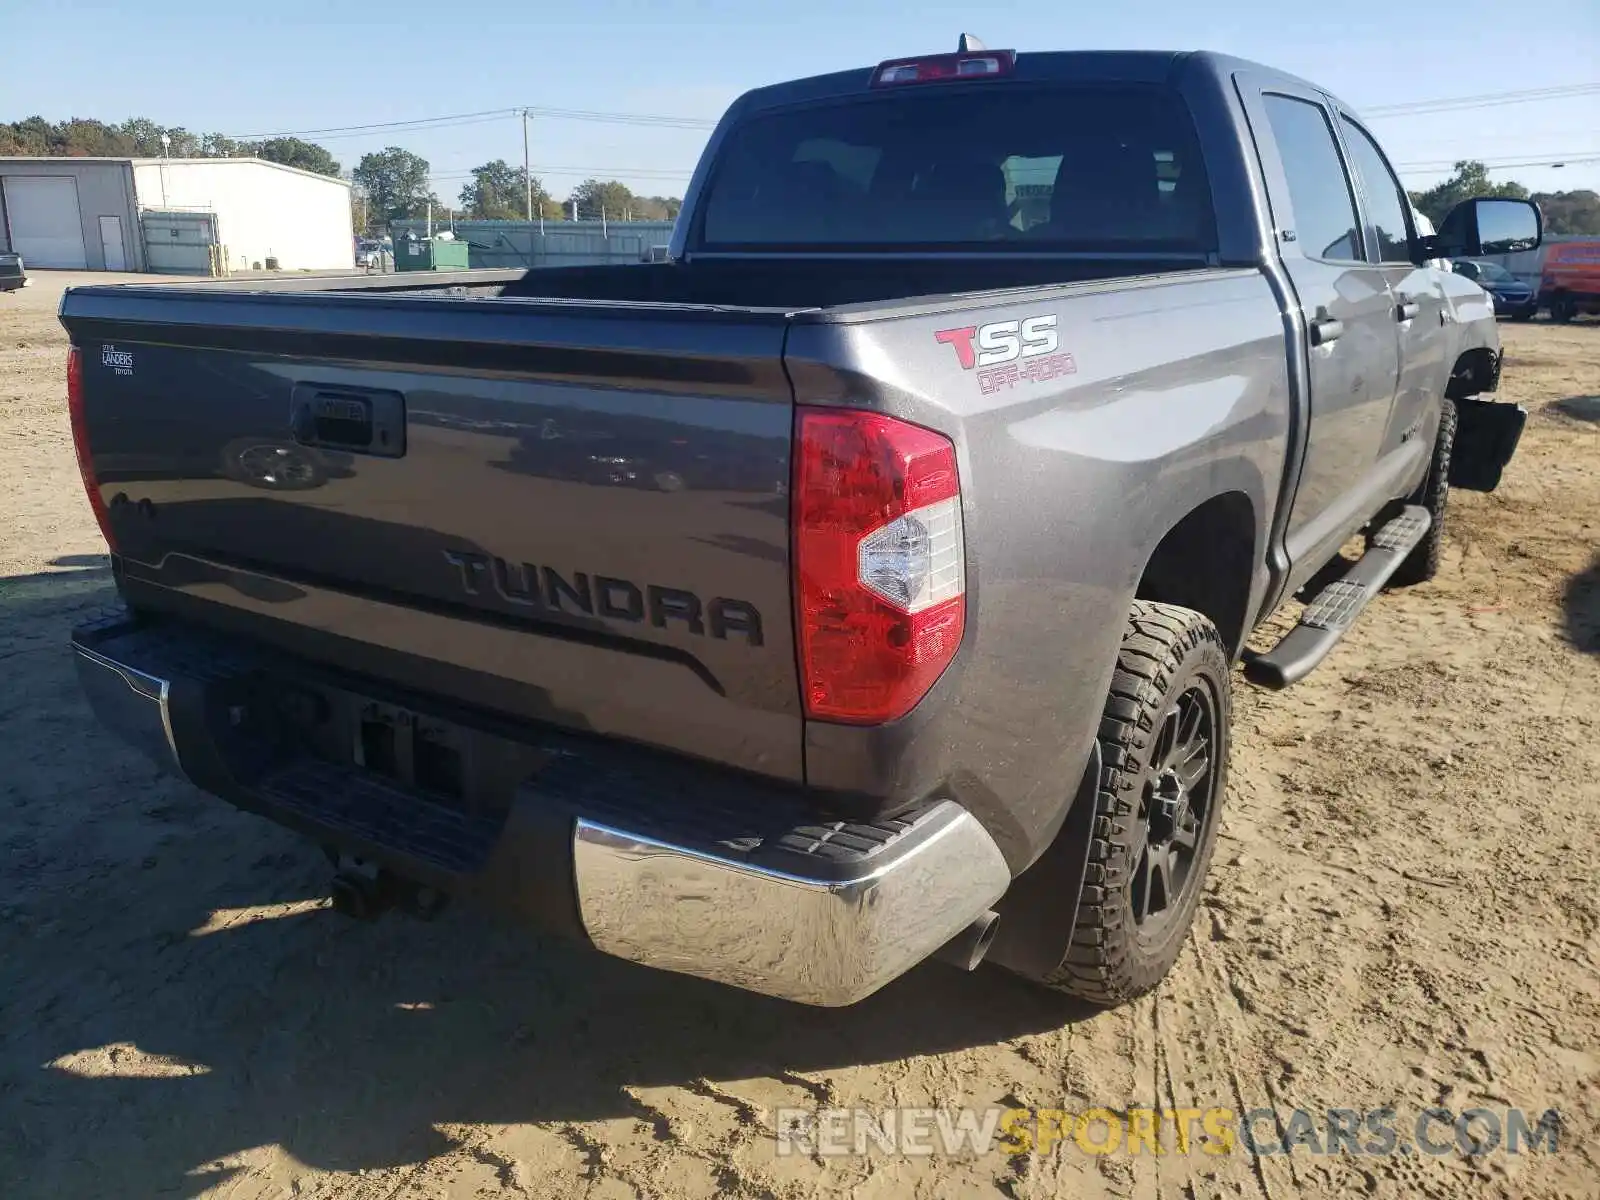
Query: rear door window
x,y
991,167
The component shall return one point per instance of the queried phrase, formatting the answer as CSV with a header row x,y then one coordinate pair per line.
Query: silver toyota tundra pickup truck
x,y
862,584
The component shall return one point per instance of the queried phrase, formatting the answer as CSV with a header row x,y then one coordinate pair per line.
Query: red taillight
x,y
80,443
880,569
937,68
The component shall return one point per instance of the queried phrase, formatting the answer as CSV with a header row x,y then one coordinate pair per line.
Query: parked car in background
x,y
369,253
12,273
1512,297
1570,283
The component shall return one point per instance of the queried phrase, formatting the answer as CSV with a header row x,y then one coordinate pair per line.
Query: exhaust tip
x,y
966,950
355,897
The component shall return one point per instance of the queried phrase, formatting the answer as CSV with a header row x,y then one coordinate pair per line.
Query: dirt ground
x,y
1403,912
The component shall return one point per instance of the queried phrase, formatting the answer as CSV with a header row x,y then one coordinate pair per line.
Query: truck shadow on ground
x,y
174,993
1579,408
1581,603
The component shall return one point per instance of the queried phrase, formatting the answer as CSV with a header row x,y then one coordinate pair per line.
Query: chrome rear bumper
x,y
129,702
813,939
850,908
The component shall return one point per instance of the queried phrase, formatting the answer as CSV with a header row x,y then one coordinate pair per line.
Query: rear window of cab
x,y
986,167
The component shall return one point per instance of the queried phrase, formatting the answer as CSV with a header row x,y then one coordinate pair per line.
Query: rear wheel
x,y
1563,307
1164,744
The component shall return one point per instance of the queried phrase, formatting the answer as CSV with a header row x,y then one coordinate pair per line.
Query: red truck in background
x,y
1570,282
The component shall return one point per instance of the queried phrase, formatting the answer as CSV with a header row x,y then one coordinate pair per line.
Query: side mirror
x,y
1489,225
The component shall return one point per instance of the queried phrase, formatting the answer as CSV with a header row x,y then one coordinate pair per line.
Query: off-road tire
x,y
1422,564
1165,651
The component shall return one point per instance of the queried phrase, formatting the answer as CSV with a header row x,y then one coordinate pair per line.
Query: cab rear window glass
x,y
1104,167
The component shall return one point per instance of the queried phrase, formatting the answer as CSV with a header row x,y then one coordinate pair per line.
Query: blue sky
x,y
294,65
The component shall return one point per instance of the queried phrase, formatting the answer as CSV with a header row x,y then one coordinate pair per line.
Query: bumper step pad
x,y
371,810
728,816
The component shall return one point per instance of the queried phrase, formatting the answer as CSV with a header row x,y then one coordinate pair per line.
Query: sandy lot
x,y
1403,912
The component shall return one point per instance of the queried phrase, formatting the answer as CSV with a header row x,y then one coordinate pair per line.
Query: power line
x,y
1445,168
1495,164
418,128
376,126
637,172
451,120
663,121
1482,143
1486,100
616,118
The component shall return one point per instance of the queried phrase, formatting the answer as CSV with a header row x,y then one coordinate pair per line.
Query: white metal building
x,y
181,215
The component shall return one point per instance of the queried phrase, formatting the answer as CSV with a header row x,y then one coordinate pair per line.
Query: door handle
x,y
1325,330
1406,310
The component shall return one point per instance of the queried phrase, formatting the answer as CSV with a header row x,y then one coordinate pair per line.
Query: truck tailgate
x,y
572,513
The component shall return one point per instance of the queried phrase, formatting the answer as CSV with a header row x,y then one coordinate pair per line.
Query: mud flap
x,y
1486,437
1039,911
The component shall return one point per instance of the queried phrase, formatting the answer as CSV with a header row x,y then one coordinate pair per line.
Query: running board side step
x,y
1335,609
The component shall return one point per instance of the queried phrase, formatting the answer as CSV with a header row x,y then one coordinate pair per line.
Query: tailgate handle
x,y
355,420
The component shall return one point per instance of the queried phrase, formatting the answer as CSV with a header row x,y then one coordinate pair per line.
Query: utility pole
x,y
527,169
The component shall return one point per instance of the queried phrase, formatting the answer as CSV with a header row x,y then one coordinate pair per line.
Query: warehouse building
x,y
191,216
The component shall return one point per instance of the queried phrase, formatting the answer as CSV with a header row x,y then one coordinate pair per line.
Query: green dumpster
x,y
432,254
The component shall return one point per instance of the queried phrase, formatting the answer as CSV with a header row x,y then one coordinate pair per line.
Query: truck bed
x,y
788,285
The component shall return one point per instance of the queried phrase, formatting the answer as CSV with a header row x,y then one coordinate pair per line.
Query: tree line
x,y
140,137
1564,212
393,183
388,185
